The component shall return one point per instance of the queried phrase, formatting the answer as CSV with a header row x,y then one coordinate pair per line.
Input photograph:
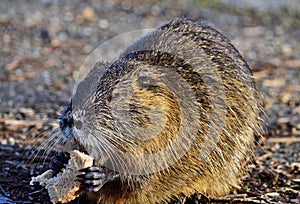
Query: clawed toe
x,y
92,178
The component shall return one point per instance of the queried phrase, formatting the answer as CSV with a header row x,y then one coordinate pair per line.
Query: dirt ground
x,y
43,43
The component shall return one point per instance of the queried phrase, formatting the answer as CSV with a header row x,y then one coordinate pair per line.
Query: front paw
x,y
58,162
92,178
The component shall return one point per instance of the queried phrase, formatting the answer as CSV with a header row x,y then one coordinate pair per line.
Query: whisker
x,y
44,146
52,146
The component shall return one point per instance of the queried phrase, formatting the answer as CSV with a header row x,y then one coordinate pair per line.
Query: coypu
x,y
174,115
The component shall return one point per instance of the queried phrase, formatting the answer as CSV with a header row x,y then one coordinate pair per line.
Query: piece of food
x,y
64,188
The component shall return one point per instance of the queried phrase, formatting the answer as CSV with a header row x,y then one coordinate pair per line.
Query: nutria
x,y
174,115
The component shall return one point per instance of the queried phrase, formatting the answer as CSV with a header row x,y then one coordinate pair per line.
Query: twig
x,y
244,200
35,192
283,139
3,192
19,122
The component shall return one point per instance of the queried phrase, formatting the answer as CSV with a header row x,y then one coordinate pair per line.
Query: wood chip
x,y
292,63
272,194
274,82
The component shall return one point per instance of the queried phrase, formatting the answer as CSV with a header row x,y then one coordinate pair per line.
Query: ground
x,y
43,44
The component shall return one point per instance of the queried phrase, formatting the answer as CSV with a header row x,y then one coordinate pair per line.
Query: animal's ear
x,y
144,78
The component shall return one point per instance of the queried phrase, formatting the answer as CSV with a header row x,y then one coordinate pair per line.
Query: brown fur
x,y
209,65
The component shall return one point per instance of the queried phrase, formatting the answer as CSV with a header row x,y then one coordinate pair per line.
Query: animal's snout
x,y
66,120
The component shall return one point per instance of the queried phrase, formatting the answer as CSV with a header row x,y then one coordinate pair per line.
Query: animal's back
x,y
185,110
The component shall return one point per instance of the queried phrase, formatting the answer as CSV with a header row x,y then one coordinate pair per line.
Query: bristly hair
x,y
44,139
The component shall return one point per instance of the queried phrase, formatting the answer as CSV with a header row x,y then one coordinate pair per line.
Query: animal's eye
x,y
78,124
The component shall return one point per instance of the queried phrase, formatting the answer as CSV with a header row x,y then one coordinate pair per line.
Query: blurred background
x,y
43,44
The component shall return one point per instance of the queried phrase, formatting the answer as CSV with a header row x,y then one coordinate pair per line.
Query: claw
x,y
80,176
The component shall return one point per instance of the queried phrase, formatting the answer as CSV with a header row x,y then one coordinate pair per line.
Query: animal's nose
x,y
66,119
